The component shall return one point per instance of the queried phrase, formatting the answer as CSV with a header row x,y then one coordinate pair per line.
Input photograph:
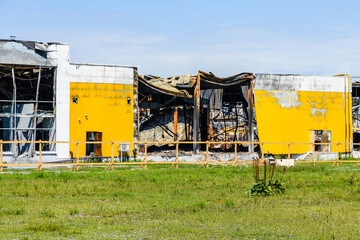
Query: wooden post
x,y
235,155
313,154
289,151
77,156
40,156
176,160
207,154
177,155
145,156
112,155
337,154
196,115
262,151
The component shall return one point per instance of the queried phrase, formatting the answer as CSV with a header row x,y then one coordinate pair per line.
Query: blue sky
x,y
176,37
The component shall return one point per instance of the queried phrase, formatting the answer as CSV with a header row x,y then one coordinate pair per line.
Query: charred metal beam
x,y
196,116
250,117
36,108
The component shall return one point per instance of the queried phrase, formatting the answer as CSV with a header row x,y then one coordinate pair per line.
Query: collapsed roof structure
x,y
199,107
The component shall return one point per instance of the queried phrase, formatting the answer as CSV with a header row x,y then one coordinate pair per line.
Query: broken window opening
x,y
27,99
94,149
75,100
321,137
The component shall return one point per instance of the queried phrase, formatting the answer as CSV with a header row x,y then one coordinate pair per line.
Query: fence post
x,y
313,154
177,155
337,154
207,154
288,151
77,157
144,161
112,157
1,155
235,155
145,156
176,160
262,151
40,156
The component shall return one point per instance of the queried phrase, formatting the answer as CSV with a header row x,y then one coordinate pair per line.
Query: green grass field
x,y
191,202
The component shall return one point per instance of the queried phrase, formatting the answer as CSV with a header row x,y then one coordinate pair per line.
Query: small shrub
x,y
261,188
276,186
266,186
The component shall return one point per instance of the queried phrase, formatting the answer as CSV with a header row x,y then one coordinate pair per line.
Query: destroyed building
x,y
201,107
44,96
286,108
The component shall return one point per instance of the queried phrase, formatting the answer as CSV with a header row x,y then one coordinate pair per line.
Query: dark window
x,y
93,149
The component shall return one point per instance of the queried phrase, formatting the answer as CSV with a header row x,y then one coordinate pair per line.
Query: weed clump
x,y
262,188
268,185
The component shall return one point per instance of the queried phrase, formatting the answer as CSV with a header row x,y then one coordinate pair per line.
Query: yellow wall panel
x,y
289,116
101,108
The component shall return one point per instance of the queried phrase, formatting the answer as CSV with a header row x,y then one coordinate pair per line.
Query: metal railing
x,y
110,161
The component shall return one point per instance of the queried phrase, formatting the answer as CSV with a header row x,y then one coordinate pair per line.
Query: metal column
x,y
196,115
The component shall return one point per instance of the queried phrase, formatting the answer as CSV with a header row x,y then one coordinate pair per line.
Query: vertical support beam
x,y
36,109
13,115
346,114
250,111
196,115
185,123
351,147
53,129
175,123
210,123
136,110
